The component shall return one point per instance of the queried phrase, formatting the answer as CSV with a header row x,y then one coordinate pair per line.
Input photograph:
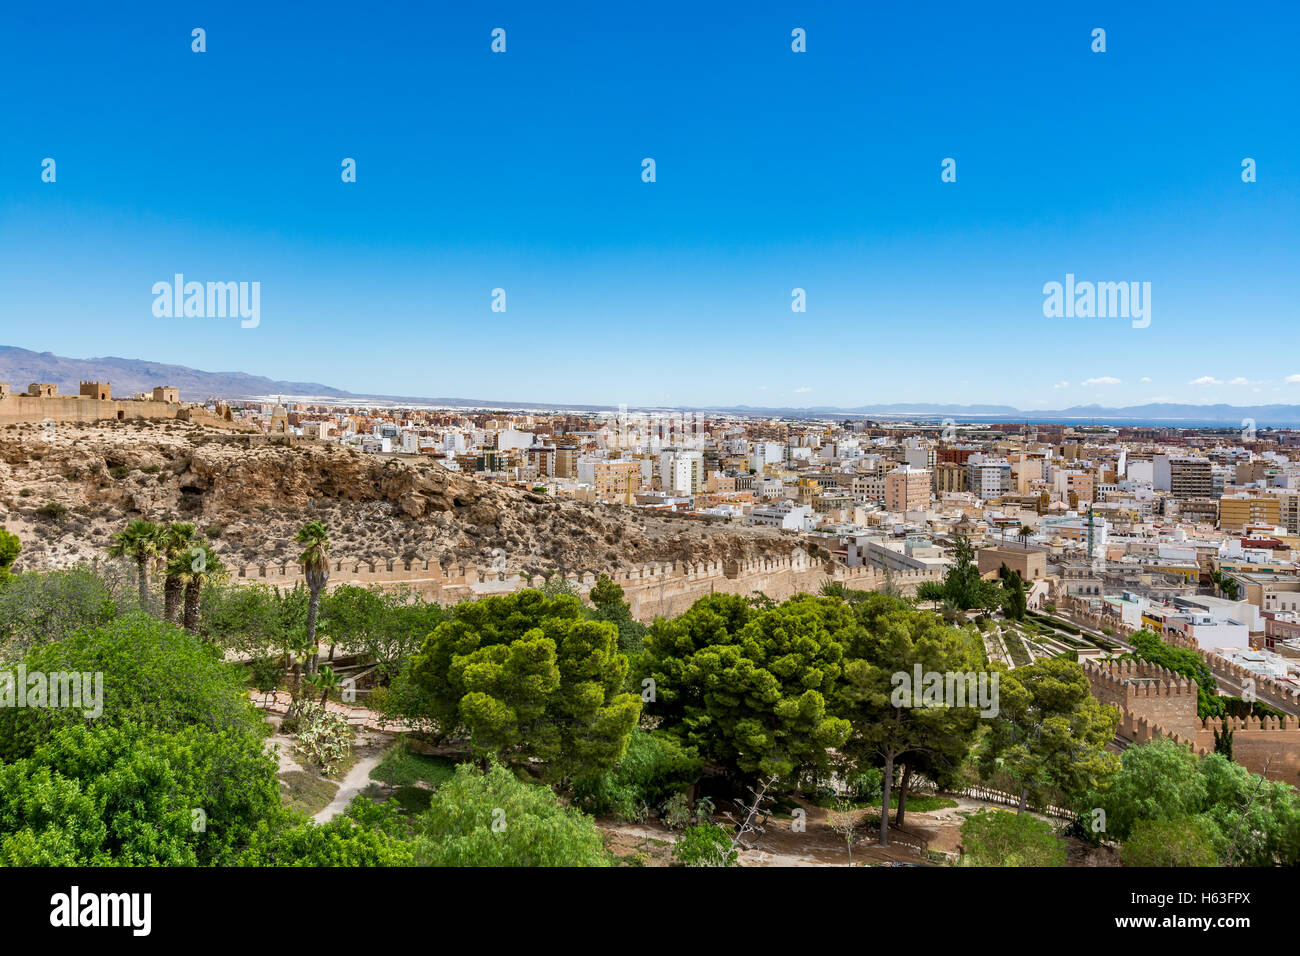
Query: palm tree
x,y
932,591
324,680
196,568
315,561
176,538
1025,532
138,542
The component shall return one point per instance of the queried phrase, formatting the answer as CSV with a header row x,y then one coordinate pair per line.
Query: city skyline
x,y
775,171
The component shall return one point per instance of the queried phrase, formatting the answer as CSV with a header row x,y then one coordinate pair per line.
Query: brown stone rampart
x,y
663,589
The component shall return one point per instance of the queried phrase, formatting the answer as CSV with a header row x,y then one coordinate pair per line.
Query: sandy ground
x,y
818,845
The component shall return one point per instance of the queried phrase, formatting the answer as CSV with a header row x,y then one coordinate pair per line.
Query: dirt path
x,y
357,779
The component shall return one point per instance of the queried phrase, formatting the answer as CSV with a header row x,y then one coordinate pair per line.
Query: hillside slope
x,y
251,500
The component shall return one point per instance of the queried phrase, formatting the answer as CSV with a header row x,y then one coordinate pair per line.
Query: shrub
x,y
677,812
705,844
866,786
1002,838
1184,841
323,737
654,768
495,819
52,511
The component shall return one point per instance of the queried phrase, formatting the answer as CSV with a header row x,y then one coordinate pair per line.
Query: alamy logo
x,y
133,910
1098,300
212,300
57,689
945,689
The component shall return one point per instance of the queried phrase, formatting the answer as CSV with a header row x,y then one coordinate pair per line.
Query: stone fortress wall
x,y
663,589
1156,703
42,403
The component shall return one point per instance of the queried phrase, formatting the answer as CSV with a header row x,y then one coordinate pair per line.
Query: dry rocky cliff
x,y
65,490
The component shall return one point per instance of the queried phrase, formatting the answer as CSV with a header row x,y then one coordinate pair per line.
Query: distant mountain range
x,y
20,367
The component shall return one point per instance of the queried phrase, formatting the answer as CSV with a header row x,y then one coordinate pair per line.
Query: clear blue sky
x,y
775,170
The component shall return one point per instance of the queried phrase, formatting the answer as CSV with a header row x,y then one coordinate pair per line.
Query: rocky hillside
x,y
64,493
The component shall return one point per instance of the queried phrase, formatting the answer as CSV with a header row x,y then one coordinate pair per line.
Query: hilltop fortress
x,y
94,402
657,589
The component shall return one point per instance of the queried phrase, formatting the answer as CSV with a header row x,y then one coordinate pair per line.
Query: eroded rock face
x,y
250,499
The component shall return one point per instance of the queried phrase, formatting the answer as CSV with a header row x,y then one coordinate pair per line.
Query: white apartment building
x,y
787,516
681,472
988,477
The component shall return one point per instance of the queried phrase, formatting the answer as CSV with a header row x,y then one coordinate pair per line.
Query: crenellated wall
x,y
1157,704
652,590
1148,691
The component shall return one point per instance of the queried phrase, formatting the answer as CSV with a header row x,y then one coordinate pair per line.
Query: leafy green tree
x,y
555,584
384,625
1249,820
315,561
526,678
153,674
129,795
655,767
892,720
1000,838
1181,841
10,547
1159,781
138,542
174,771
495,819
748,688
251,618
1258,819
40,608
962,585
1015,603
1050,733
607,598
342,842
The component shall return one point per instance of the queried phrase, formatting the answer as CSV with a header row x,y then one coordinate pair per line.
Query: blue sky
x,y
775,170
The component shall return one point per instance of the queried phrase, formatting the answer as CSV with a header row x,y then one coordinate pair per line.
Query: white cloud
x,y
1145,379
1239,381
1293,379
802,389
1205,380
1061,385
1101,380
